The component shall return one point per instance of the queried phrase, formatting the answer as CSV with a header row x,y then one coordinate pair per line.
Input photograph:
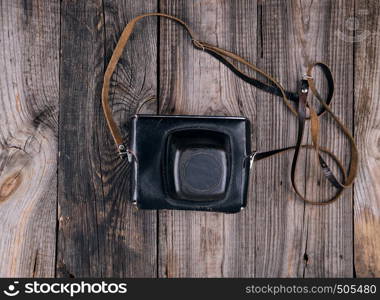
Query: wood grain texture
x,y
277,212
29,90
80,191
100,233
367,132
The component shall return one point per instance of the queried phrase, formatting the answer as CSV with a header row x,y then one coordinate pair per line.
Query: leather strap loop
x,y
354,151
229,59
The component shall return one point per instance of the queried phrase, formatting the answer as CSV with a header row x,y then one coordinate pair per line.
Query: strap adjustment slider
x,y
198,44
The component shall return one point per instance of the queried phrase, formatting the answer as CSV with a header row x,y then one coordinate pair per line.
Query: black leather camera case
x,y
202,163
190,162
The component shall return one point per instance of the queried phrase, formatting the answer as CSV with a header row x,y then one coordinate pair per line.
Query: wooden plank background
x,y
64,208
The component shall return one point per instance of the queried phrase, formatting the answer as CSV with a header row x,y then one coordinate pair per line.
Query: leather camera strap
x,y
300,98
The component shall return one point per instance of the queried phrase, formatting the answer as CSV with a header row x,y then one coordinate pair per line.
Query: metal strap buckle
x,y
252,158
123,151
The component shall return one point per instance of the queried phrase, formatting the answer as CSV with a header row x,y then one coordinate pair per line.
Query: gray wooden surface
x,y
64,208
29,105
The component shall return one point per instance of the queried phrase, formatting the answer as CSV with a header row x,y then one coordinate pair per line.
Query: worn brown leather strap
x,y
112,65
230,59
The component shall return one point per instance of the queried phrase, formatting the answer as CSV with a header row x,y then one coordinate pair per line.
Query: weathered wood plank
x,y
29,91
199,244
80,192
277,211
294,239
100,234
328,230
132,231
367,133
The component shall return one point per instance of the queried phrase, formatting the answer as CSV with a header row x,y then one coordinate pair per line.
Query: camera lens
x,y
198,163
202,172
